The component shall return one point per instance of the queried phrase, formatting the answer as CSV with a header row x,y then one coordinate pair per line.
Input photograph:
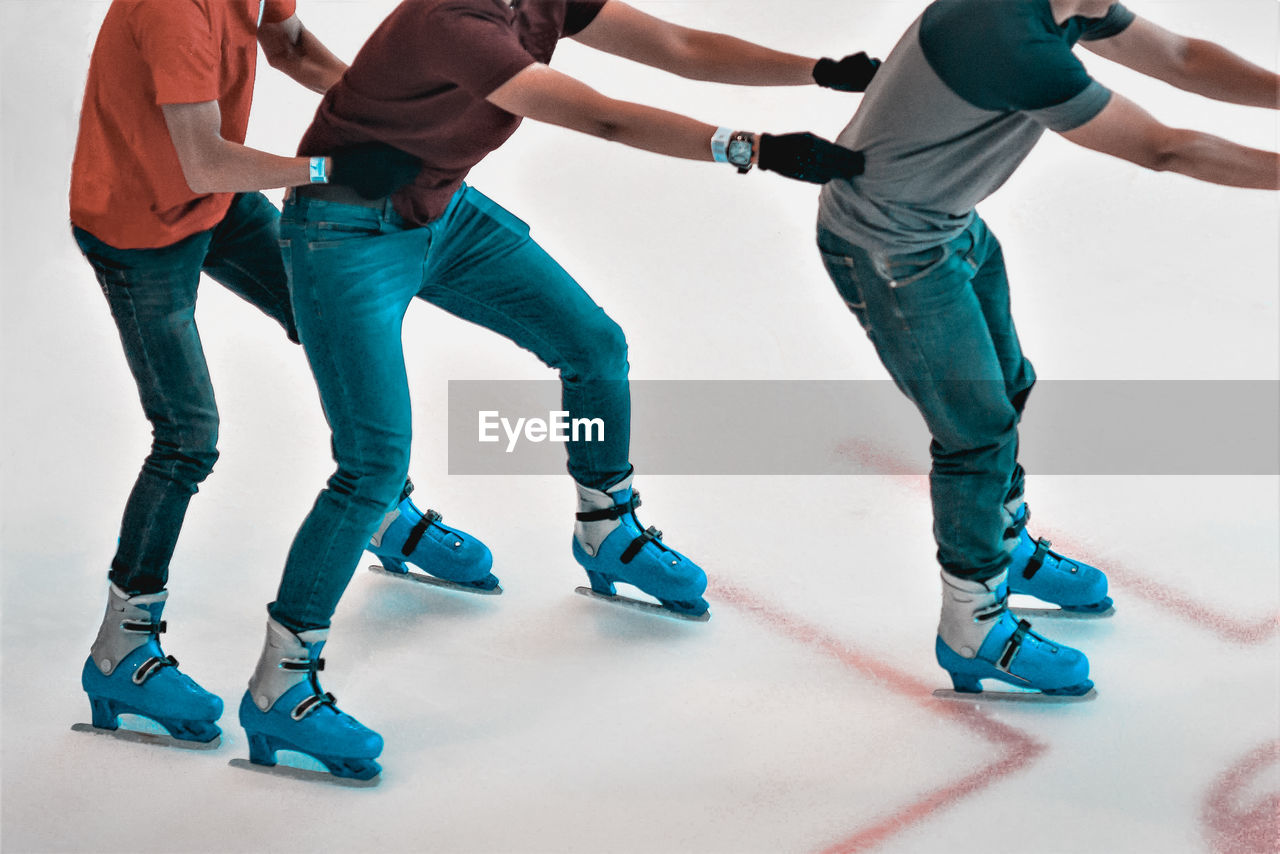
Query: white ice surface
x,y
799,717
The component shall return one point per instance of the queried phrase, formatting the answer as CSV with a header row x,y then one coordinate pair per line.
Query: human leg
x,y
1034,569
928,326
351,276
488,270
151,294
244,255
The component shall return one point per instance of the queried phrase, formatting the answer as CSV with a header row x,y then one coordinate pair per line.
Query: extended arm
x,y
624,31
540,93
294,50
1125,130
1195,65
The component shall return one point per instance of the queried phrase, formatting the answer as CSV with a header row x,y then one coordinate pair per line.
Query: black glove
x,y
373,169
806,157
851,74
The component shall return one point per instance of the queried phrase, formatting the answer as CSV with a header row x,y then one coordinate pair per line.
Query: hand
x,y
851,74
373,169
806,157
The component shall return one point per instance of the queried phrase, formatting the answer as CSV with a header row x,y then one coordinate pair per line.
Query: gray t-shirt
x,y
957,106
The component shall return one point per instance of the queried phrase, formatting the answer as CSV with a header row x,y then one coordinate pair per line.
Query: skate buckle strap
x,y
144,627
995,610
1014,643
428,519
300,664
152,666
617,511
311,703
1037,558
648,535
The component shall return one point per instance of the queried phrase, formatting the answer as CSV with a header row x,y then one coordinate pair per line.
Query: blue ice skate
x,y
614,548
285,709
1035,570
979,639
447,557
128,673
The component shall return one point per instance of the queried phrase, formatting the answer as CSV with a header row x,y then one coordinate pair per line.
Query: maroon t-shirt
x,y
420,82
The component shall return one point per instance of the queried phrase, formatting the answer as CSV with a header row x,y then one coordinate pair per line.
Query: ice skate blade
x,y
1014,696
153,738
1061,613
431,580
645,607
306,774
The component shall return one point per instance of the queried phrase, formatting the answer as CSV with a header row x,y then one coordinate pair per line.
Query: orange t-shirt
x,y
127,187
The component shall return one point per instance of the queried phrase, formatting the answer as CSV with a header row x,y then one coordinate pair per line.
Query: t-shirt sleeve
x,y
1050,84
1116,21
579,13
177,45
276,11
472,46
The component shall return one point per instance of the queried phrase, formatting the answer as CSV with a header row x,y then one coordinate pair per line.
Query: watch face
x,y
739,152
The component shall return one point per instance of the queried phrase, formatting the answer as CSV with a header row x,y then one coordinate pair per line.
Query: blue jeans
x,y
152,296
353,272
940,321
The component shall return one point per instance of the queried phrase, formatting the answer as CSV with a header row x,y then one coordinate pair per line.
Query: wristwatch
x,y
740,149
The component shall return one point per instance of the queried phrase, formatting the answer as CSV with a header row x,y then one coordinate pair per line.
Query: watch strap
x,y
720,144
319,172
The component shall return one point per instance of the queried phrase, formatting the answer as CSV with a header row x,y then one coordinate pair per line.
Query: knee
x,y
187,450
990,434
375,481
602,354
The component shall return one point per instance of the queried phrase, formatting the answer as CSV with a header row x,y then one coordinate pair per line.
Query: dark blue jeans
x,y
152,296
940,321
353,272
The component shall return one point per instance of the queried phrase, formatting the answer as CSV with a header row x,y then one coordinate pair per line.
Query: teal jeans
x,y
940,321
353,272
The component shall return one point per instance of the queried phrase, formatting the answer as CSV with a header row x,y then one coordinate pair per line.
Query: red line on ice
x,y
1020,750
1237,826
1226,626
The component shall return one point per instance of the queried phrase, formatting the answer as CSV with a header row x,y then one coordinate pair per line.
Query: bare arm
x,y
292,49
1125,130
212,164
1195,65
624,31
540,93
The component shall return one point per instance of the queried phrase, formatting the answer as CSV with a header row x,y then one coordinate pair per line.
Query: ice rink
x,y
800,717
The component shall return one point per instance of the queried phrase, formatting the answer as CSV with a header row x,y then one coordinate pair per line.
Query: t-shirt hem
x,y
1116,21
587,16
102,228
277,14
189,97
502,75
1075,112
